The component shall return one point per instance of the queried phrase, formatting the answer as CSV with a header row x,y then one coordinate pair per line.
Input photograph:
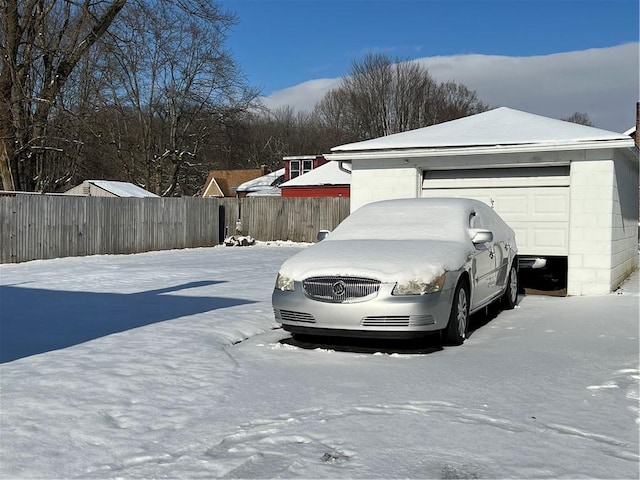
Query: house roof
x,y
265,192
121,189
328,174
494,129
212,189
223,182
261,183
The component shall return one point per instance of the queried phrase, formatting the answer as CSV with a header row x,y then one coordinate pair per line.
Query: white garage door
x,y
533,201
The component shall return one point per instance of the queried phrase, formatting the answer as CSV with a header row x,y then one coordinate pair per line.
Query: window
x,y
294,168
300,167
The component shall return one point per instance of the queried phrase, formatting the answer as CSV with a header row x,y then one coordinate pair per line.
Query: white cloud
x,y
602,82
302,97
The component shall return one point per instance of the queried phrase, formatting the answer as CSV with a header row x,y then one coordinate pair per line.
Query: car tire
x,y
510,296
458,326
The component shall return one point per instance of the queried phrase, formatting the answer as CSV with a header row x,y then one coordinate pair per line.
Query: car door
x,y
500,248
483,268
501,258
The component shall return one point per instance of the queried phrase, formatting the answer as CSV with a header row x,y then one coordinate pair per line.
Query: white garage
x,y
569,191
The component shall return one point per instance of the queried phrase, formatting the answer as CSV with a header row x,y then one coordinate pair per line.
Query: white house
x,y
568,190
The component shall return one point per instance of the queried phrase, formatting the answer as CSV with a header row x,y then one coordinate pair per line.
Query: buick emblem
x,y
339,288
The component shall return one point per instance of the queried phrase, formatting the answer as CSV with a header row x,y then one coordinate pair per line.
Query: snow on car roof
x,y
425,218
385,240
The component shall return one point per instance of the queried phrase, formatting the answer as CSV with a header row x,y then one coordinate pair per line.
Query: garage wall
x,y
382,180
592,220
624,245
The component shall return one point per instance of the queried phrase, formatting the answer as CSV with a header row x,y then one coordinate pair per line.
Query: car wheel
x,y
458,325
510,297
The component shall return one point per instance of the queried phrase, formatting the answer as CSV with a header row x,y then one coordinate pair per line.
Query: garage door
x,y
533,201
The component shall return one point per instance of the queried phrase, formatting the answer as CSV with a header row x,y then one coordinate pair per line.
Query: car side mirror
x,y
322,234
481,236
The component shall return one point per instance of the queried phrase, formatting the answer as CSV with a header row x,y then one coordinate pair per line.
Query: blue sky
x,y
283,43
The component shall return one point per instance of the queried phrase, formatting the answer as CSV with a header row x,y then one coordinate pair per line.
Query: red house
x,y
329,179
299,165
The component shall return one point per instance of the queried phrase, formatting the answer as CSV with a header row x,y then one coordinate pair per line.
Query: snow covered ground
x,y
169,365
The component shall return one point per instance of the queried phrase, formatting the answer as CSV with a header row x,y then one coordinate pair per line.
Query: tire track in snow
x,y
290,445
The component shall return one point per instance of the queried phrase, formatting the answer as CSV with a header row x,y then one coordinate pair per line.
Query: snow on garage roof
x,y
499,127
122,189
328,174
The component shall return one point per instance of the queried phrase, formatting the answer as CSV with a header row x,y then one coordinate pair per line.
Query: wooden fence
x,y
277,218
46,226
43,226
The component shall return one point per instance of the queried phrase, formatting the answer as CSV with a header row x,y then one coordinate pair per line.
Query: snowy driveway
x,y
166,365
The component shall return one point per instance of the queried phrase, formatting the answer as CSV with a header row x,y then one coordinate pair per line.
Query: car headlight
x,y
416,287
284,283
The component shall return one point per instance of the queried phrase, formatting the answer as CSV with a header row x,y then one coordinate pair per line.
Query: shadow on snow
x,y
36,321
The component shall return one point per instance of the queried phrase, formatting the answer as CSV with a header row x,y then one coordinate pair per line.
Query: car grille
x,y
336,289
289,316
398,321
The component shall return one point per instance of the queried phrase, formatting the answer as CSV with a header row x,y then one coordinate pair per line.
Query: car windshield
x,y
429,219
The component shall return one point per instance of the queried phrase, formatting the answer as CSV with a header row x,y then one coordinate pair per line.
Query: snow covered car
x,y
400,269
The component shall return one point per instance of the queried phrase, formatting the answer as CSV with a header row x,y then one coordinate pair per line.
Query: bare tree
x,y
154,71
382,96
580,118
267,136
41,43
172,83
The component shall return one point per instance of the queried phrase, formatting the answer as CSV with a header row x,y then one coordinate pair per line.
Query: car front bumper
x,y
385,316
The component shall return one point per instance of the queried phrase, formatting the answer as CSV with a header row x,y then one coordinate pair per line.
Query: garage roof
x,y
500,127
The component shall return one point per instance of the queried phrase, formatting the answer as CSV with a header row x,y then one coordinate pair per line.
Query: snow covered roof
x,y
265,192
122,189
328,174
261,183
495,128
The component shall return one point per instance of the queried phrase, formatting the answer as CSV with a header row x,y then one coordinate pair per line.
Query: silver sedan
x,y
400,269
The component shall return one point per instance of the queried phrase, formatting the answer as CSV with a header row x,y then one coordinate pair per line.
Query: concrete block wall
x,y
624,243
382,181
591,223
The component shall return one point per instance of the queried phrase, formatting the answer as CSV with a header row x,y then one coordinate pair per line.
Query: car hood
x,y
384,260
